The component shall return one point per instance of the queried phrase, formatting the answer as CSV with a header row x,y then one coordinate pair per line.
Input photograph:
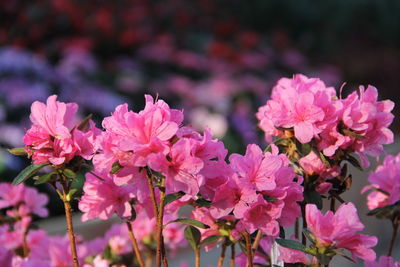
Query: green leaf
x,y
386,211
350,133
69,173
309,235
18,151
282,142
210,240
172,197
44,178
286,243
203,203
303,149
78,182
192,235
313,197
116,167
71,193
28,172
190,222
269,198
353,161
324,159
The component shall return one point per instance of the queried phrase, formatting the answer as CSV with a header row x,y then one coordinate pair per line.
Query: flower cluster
x,y
54,137
331,234
20,203
262,192
312,111
144,166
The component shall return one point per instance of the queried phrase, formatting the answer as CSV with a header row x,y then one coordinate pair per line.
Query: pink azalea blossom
x,y
288,191
102,198
26,200
233,196
182,170
370,118
302,103
385,178
215,173
262,215
256,168
53,137
339,230
203,215
140,134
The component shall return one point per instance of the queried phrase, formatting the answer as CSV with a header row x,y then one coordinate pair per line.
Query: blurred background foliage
x,y
217,60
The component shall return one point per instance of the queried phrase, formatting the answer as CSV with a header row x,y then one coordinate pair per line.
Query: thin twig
x,y
152,194
25,246
248,250
135,245
256,243
70,227
233,256
393,239
160,216
197,256
333,206
222,257
303,213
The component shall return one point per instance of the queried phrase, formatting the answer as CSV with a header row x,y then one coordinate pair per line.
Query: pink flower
x,y
232,196
330,140
182,169
215,173
26,200
288,190
53,137
98,261
288,255
262,215
312,164
302,103
102,198
370,118
384,261
203,215
256,168
141,134
387,179
55,118
339,230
